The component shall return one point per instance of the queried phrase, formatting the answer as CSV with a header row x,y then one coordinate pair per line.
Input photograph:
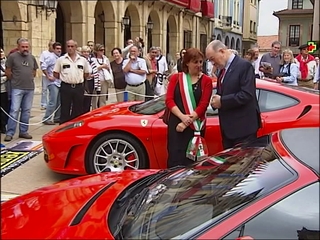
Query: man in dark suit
x,y
236,101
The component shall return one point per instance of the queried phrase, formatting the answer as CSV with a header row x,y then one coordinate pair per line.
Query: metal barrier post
x,y
125,96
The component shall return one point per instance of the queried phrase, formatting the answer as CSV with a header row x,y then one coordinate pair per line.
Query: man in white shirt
x,y
45,81
162,67
126,50
135,70
256,62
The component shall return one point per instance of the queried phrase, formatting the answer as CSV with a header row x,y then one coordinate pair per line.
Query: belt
x,y
305,80
73,85
131,85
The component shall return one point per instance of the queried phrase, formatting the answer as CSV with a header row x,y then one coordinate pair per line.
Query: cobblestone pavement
x,y
34,173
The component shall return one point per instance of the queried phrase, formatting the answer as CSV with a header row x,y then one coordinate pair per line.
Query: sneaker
x,y
8,138
25,135
56,121
48,123
43,108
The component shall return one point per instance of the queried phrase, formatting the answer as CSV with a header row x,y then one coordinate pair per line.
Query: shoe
x,y
8,138
48,123
25,135
43,108
56,121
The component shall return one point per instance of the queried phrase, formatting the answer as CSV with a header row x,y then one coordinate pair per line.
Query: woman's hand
x,y
186,119
181,127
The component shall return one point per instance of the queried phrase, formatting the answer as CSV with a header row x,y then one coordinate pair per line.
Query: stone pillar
x,y
174,42
78,32
136,31
111,36
11,32
316,24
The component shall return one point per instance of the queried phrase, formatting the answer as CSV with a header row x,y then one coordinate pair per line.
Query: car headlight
x,y
71,126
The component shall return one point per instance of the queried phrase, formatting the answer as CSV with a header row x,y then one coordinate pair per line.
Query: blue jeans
x,y
20,99
54,103
44,93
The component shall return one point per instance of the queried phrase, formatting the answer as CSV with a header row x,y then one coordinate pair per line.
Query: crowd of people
x,y
79,80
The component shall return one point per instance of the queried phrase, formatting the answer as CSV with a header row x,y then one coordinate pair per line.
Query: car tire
x,y
115,161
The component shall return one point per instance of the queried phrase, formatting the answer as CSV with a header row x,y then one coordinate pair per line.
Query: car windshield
x,y
151,107
206,192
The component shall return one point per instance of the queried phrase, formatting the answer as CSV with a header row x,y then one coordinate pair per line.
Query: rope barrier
x,y
91,95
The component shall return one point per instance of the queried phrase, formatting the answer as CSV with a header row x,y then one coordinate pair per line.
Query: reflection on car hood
x,y
49,211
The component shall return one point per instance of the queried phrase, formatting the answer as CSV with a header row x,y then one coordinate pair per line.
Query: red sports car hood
x,y
55,211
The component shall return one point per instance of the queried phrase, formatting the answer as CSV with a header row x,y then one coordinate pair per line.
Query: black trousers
x,y
72,97
229,143
87,99
6,107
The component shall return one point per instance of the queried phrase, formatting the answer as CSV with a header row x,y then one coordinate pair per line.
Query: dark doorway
x,y
168,38
60,28
127,30
1,31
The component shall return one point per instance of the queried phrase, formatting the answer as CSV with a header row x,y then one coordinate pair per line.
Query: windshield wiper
x,y
146,182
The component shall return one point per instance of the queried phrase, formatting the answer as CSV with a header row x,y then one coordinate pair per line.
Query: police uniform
x,y
72,85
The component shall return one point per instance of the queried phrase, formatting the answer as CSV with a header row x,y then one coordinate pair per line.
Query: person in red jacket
x,y
188,96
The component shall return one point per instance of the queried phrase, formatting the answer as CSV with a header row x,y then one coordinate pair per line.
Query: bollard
x,y
125,96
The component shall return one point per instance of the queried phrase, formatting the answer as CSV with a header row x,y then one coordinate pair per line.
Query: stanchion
x,y
125,96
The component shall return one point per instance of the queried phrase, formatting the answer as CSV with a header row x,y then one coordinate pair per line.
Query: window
x,y
187,39
297,4
272,101
285,220
251,26
203,42
294,35
255,27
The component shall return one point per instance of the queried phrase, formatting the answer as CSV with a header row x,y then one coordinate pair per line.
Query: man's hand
x,y
181,127
279,79
51,78
216,101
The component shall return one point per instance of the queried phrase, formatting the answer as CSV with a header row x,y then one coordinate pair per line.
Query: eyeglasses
x,y
70,46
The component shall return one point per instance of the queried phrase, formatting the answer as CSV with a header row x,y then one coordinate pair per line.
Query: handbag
x,y
166,116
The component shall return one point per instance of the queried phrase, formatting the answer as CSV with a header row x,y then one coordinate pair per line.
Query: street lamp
x,y
51,7
125,22
149,26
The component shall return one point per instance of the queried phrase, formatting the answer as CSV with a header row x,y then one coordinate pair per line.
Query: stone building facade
x,y
175,23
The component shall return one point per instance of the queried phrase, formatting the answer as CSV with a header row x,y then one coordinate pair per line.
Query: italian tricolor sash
x,y
197,147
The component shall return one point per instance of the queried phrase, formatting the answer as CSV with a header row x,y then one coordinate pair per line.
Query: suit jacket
x,y
239,114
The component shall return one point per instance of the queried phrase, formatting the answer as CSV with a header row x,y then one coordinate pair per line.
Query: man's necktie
x,y
219,81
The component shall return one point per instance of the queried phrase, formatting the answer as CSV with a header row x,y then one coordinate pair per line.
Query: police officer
x,y
71,69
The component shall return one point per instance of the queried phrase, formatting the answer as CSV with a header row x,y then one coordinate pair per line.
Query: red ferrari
x,y
267,189
132,135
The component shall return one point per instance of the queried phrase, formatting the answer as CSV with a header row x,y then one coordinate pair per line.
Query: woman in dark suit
x,y
188,96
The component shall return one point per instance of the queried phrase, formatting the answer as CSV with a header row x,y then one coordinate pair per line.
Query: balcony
x,y
194,5
226,22
181,3
207,9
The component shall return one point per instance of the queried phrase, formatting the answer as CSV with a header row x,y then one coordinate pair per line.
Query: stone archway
x,y
238,45
219,37
74,22
227,41
172,36
154,36
233,44
105,24
12,22
135,22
